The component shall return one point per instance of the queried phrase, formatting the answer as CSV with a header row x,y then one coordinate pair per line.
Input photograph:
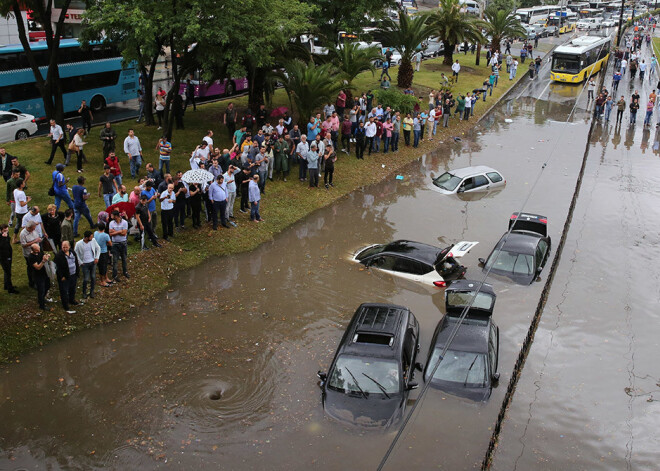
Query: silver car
x,y
468,179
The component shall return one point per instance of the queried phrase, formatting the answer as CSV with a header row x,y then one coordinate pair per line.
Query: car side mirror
x,y
419,366
412,386
495,379
461,190
322,376
482,262
539,270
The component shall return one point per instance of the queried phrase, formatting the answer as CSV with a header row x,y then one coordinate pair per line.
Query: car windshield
x,y
369,375
369,251
447,181
462,298
466,368
511,262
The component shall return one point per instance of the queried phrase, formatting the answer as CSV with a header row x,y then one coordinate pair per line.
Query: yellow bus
x,y
578,59
565,21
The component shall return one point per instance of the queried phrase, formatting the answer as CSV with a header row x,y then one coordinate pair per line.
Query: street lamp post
x,y
618,34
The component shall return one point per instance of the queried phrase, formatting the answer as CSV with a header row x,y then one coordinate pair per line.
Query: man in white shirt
x,y
200,156
88,252
431,123
209,139
133,150
301,152
370,132
57,139
456,68
33,216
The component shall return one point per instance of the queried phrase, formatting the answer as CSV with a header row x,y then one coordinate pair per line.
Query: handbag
x,y
51,190
73,147
51,270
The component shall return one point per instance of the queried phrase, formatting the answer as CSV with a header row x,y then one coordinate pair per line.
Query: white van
x,y
589,23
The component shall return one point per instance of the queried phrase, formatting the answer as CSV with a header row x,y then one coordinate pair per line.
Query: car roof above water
x,y
471,171
416,250
375,329
471,336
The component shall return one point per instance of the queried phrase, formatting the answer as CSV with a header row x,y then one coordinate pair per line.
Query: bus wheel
x,y
231,88
97,103
22,135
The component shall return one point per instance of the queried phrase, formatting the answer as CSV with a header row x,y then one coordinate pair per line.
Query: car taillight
x,y
34,121
544,221
440,284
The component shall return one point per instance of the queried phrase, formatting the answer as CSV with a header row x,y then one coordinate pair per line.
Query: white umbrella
x,y
197,176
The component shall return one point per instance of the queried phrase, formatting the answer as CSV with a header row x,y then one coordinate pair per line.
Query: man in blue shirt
x,y
218,199
80,208
151,194
312,128
255,197
59,187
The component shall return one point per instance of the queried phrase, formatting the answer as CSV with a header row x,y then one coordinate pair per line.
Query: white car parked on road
x,y
14,127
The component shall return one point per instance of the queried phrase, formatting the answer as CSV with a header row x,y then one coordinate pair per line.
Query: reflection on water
x,y
220,372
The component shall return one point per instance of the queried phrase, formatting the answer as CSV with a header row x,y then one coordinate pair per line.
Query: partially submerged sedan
x,y
370,377
468,179
469,366
521,254
416,261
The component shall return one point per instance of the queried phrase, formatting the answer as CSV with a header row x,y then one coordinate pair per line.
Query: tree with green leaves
x,y
135,28
309,86
405,36
49,86
350,61
350,16
501,25
453,27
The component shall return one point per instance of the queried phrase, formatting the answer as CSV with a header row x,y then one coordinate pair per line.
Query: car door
x,y
6,127
459,249
541,254
493,349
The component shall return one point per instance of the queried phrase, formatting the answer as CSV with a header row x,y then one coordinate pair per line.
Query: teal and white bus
x,y
94,74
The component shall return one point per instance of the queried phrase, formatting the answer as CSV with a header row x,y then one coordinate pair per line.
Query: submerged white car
x,y
468,179
423,263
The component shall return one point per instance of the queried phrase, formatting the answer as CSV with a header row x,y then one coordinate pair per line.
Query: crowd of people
x,y
262,149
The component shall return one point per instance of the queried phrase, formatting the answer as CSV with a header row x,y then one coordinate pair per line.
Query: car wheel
x,y
22,135
97,103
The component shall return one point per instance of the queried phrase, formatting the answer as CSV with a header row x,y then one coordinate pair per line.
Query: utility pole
x,y
618,34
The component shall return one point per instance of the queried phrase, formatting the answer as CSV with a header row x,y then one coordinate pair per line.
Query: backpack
x,y
248,120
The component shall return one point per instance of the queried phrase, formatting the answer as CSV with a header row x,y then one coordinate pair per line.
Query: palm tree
x,y
405,36
453,27
350,61
309,86
501,25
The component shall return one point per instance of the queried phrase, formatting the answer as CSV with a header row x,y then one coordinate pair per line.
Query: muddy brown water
x,y
589,395
221,371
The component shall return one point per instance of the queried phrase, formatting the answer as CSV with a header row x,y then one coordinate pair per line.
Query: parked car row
x,y
373,370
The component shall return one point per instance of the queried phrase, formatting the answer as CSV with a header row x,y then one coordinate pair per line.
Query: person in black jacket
x,y
6,257
67,270
5,163
242,179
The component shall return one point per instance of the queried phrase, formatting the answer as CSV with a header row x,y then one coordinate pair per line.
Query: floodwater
x,y
589,394
221,372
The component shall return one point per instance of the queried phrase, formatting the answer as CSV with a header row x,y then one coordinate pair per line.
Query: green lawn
x,y
23,327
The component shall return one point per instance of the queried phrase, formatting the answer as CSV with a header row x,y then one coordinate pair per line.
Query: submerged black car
x,y
469,366
521,254
370,377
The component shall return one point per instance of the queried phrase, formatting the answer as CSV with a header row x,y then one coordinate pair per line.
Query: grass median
x,y
23,326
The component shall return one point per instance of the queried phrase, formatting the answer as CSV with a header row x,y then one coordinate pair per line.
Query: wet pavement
x,y
220,372
589,392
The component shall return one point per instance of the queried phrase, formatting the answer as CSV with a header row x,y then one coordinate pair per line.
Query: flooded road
x,y
589,392
221,371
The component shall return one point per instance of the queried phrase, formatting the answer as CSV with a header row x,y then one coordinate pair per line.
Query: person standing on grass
x,y
103,239
167,200
57,140
455,69
133,150
313,166
407,128
21,201
118,235
346,133
60,188
255,199
36,261
144,221
108,186
230,182
164,148
417,130
301,152
370,132
67,271
6,254
360,141
329,159
78,144
108,137
282,151
80,208
88,253
396,131
218,198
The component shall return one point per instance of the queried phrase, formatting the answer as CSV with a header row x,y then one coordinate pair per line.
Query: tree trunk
x,y
256,79
404,77
148,96
449,54
476,62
